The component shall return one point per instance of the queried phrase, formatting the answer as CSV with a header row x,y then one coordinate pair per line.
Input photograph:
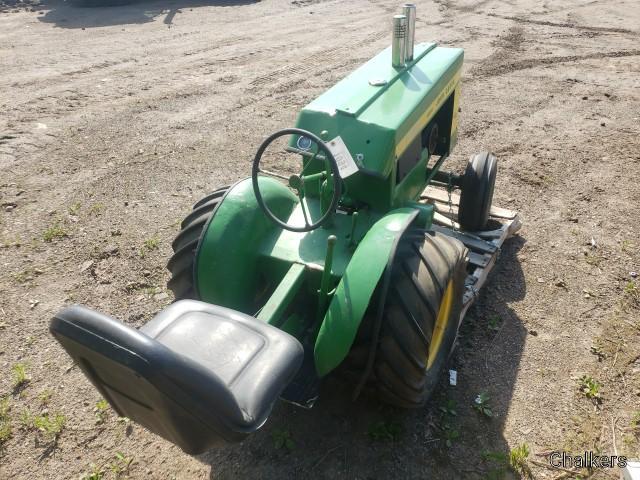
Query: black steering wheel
x,y
297,182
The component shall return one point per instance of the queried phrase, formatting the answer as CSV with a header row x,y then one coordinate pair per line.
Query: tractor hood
x,y
378,110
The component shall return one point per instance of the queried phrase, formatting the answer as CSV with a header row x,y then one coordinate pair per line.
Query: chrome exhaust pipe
x,y
409,11
399,41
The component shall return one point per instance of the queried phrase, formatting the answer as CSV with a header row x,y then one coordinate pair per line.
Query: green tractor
x,y
346,251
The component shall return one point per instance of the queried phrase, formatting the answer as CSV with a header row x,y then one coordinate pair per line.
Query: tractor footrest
x,y
197,374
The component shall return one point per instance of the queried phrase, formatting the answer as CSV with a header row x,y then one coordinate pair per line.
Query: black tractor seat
x,y
197,374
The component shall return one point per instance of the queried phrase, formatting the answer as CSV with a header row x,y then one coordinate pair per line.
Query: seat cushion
x,y
254,360
197,375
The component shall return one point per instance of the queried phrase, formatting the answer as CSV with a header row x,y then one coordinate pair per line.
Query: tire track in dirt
x,y
328,55
547,23
493,70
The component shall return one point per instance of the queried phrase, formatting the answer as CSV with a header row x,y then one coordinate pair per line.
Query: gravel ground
x,y
115,120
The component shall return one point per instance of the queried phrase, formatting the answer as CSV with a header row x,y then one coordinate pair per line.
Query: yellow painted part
x,y
428,114
444,314
456,107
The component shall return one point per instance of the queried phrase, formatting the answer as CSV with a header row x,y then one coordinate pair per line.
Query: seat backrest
x,y
144,380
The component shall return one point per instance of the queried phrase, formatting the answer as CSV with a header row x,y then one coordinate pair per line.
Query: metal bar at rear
x,y
431,172
272,311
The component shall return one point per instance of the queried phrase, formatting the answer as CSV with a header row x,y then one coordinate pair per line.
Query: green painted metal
x,y
353,293
247,263
227,269
379,123
281,298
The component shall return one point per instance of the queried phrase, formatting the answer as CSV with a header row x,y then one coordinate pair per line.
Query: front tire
x,y
420,319
184,246
478,184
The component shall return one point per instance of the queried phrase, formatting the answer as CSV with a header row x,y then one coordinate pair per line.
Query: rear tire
x,y
184,246
478,184
420,319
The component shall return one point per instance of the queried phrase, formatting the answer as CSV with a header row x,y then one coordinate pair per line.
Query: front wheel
x,y
478,183
420,319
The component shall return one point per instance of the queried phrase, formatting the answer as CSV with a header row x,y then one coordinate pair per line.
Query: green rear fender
x,y
354,292
226,271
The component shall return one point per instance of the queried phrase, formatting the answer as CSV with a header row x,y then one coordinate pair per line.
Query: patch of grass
x,y
54,232
23,277
626,246
100,410
5,421
152,243
495,323
635,420
516,461
26,419
385,431
20,378
45,396
282,439
96,209
95,473
74,208
27,275
631,295
590,388
449,408
149,245
449,434
594,260
50,426
121,465
482,404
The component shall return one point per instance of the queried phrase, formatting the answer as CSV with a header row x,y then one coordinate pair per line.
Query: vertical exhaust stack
x,y
399,41
409,11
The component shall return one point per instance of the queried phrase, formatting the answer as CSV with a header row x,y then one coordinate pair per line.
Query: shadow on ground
x,y
446,439
103,13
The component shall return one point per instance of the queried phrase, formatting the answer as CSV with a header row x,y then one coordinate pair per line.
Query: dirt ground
x,y
114,121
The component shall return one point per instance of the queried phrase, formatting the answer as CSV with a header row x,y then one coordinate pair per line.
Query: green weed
x,y
516,461
100,410
26,419
96,209
449,408
590,388
5,421
635,420
149,245
495,323
152,243
594,260
74,208
54,232
95,473
385,431
121,465
631,295
45,396
51,427
20,378
282,439
482,405
449,434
